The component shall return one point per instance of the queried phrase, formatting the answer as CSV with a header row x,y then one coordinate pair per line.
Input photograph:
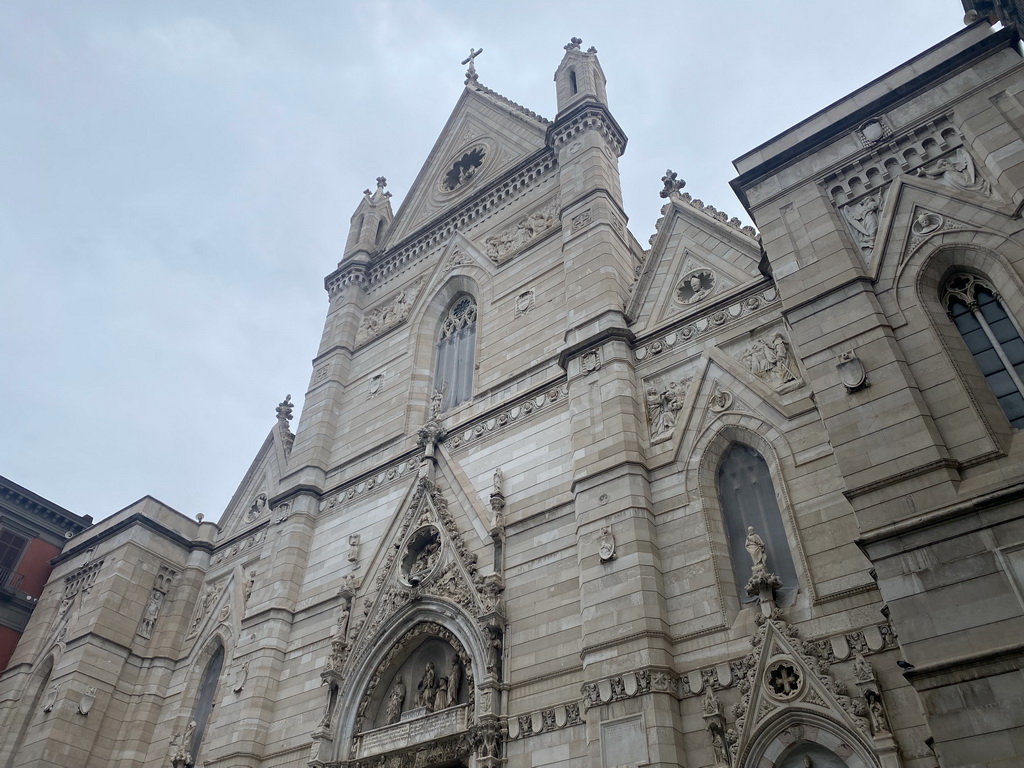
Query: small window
x,y
456,347
993,338
572,81
11,548
748,500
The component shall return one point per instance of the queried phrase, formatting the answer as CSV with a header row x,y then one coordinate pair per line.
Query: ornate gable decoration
x,y
780,673
389,314
429,557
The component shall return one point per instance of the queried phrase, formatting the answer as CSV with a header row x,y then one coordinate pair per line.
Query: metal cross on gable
x,y
471,72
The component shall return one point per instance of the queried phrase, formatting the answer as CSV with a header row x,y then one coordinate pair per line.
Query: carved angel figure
x,y
957,171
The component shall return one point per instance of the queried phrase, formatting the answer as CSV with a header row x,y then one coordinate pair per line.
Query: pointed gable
x,y
485,136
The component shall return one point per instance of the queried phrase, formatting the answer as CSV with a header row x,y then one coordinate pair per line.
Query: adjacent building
x,y
559,498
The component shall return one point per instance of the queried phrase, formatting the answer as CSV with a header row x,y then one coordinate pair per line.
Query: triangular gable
x,y
691,243
779,679
423,553
482,122
249,504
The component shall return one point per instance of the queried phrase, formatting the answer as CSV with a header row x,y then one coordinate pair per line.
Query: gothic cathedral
x,y
734,498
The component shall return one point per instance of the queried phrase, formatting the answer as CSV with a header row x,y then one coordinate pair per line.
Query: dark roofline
x,y
46,509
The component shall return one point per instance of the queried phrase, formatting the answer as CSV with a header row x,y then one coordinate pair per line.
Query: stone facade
x,y
560,499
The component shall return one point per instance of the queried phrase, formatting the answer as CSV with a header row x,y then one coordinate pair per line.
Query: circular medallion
x,y
783,680
695,286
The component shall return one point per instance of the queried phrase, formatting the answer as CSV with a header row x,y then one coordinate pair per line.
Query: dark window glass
x,y
206,700
989,323
748,499
11,547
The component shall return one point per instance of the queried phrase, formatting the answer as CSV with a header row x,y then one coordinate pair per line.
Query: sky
x,y
176,179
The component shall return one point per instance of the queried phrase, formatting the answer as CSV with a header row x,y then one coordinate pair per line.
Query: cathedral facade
x,y
733,498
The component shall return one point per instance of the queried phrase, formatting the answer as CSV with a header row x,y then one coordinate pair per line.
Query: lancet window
x,y
748,501
993,337
205,701
456,348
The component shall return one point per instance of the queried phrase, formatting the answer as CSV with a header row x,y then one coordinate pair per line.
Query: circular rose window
x,y
463,168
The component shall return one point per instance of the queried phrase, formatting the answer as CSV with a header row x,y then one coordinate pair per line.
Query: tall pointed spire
x,y
370,220
579,77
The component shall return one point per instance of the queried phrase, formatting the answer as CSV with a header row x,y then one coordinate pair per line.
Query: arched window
x,y
748,499
205,701
993,337
456,346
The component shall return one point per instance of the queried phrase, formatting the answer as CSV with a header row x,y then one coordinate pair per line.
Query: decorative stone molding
x,y
487,203
284,415
711,211
591,361
629,685
81,580
590,117
544,721
455,260
501,247
524,302
87,699
872,131
385,317
228,552
518,107
460,438
681,337
837,648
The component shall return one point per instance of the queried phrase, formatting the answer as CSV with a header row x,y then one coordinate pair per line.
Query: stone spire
x,y
579,78
370,221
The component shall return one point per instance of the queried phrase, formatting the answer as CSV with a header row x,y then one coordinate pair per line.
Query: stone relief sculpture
x,y
247,589
183,757
695,286
958,172
606,544
384,317
663,403
241,675
258,506
512,239
769,360
202,608
149,616
862,217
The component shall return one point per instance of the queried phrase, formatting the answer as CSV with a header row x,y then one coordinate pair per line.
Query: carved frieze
x,y
513,414
386,316
511,240
629,685
545,721
240,546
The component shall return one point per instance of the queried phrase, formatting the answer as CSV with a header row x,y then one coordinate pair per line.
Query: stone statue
x,y
712,706
427,688
436,402
247,590
958,172
454,678
424,561
876,713
497,483
493,648
755,548
862,668
395,701
441,695
156,599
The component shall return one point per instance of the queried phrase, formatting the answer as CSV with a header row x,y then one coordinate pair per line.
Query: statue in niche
x,y
424,552
958,172
493,648
454,678
441,695
332,700
876,714
396,699
156,599
718,745
427,688
437,401
755,548
862,217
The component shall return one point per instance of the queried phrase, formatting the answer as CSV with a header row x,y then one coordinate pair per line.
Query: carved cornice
x,y
588,117
461,437
689,329
544,720
389,263
629,685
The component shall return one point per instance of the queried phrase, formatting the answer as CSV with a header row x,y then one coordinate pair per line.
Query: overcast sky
x,y
176,180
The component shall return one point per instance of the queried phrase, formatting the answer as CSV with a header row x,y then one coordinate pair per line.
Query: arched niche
x,y
783,742
429,631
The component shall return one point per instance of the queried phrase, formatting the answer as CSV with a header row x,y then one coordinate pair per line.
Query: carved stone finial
x,y
284,410
672,183
471,75
591,49
381,182
573,44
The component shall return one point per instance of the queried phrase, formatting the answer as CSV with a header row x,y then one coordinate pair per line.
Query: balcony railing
x,y
10,581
